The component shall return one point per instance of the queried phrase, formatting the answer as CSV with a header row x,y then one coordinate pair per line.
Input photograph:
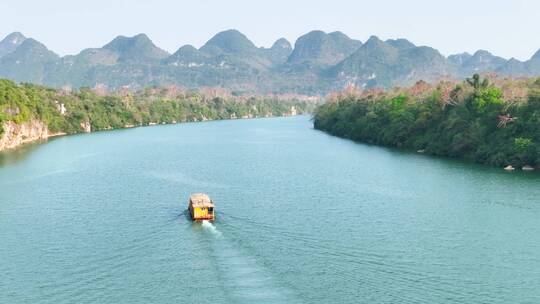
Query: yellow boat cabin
x,y
201,207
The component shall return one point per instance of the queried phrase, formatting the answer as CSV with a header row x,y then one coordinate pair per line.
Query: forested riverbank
x,y
30,112
494,122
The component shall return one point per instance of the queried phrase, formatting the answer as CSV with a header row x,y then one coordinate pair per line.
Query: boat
x,y
201,207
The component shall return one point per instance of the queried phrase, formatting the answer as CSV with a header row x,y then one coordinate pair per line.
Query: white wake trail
x,y
243,276
210,227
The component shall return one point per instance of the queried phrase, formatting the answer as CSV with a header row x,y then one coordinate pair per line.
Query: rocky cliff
x,y
14,135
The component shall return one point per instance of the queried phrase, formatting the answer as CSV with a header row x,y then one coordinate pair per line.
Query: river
x,y
302,217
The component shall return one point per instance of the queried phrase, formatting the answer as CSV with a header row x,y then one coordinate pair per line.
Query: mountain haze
x,y
321,49
318,63
29,62
11,43
385,63
137,49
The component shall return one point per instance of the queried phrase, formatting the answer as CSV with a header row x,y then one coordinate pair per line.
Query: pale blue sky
x,y
509,28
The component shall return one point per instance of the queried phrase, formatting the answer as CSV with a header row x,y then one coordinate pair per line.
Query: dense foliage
x,y
476,120
69,112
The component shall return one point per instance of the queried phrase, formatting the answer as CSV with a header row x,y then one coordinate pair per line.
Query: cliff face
x,y
15,135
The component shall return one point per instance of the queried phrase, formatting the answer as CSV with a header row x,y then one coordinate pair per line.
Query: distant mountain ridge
x,y
11,42
318,63
136,49
321,49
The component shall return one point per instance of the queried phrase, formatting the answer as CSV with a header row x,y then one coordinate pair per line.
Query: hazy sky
x,y
508,28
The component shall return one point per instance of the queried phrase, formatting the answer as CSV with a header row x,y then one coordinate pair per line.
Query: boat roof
x,y
201,200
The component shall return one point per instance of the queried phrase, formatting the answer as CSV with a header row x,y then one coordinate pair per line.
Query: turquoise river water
x,y
303,217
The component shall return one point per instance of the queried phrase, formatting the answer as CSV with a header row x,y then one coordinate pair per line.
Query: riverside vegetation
x,y
494,122
85,110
